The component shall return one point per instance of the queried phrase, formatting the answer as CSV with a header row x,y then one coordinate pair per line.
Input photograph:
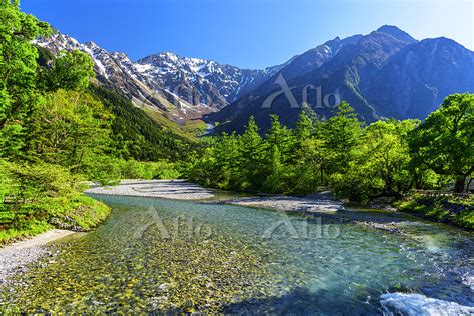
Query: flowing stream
x,y
176,256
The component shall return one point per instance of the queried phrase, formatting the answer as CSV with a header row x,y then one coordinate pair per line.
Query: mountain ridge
x,y
356,67
358,73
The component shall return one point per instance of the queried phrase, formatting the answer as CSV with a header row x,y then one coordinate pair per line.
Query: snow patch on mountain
x,y
212,83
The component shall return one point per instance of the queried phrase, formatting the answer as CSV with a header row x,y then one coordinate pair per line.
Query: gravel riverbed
x,y
16,257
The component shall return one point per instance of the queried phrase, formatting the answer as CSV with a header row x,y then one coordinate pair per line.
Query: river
x,y
179,256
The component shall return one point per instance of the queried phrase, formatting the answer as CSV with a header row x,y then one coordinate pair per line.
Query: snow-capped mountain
x,y
201,81
117,71
180,87
386,73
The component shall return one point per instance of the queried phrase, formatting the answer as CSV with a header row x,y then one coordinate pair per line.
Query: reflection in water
x,y
155,254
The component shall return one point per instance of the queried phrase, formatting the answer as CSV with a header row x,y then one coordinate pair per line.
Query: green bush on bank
x,y
444,209
27,229
37,197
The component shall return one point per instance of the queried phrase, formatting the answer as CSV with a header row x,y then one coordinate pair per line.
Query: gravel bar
x,y
168,189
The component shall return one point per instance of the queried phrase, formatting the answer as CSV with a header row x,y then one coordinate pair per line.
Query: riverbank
x,y
16,257
76,212
449,209
308,205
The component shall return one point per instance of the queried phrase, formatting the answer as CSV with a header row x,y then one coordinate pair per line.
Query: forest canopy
x,y
357,161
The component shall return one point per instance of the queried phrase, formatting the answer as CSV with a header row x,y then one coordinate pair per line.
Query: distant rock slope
x,y
201,81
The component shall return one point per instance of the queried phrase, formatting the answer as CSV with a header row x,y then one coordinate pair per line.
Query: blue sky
x,y
246,33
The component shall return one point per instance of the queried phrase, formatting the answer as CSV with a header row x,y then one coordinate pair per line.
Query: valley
x,y
146,181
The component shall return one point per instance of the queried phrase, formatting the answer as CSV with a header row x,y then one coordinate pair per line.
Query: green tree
x,y
310,155
444,142
280,136
18,93
341,135
386,150
311,164
250,157
273,183
380,166
304,127
70,70
227,153
70,129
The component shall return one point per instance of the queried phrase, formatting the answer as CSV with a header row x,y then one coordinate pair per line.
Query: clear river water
x,y
157,255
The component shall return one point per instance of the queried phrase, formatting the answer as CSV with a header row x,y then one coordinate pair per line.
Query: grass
x,y
196,127
81,213
444,209
187,131
27,229
77,212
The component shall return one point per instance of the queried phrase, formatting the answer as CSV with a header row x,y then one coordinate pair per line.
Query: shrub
x,y
36,197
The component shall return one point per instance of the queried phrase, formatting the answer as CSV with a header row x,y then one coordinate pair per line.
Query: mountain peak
x,y
396,32
91,44
167,55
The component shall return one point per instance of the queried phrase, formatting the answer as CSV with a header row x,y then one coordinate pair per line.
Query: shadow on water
x,y
300,301
376,216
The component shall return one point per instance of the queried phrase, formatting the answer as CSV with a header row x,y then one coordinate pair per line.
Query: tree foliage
x,y
444,142
70,129
70,70
385,158
18,92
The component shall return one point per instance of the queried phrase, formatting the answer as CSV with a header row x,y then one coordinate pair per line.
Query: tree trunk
x,y
388,185
459,185
468,185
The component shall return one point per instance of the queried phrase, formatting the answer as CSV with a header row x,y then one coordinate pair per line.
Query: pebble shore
x,y
15,258
291,203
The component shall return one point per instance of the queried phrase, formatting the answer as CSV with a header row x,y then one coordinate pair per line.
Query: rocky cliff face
x,y
416,80
200,81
